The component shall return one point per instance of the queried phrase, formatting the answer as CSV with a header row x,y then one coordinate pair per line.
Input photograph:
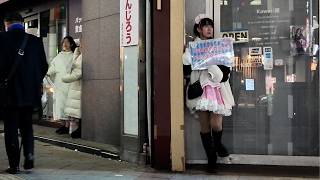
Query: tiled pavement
x,y
57,163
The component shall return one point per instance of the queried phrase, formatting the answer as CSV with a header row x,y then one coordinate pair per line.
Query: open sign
x,y
238,36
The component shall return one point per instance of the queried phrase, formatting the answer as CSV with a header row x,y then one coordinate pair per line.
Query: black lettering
x,y
224,35
244,35
237,36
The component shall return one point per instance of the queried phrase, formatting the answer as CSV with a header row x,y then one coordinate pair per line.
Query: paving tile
x,y
221,177
187,177
56,163
254,178
293,178
157,175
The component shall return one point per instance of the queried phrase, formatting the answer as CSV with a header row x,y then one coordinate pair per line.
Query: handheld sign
x,y
205,53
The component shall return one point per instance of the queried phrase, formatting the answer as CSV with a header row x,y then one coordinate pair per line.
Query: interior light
x,y
256,39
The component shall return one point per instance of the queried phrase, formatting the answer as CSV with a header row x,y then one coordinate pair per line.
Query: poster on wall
x,y
298,40
255,51
211,52
267,58
249,84
129,22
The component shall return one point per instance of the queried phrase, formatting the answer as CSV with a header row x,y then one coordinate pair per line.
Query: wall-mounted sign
x,y
78,25
314,64
238,36
255,51
291,78
278,62
249,84
75,19
129,22
267,58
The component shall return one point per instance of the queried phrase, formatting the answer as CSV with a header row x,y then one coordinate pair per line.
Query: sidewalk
x,y
56,163
48,135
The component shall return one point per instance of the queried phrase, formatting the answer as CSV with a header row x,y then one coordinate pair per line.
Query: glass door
x,y
275,80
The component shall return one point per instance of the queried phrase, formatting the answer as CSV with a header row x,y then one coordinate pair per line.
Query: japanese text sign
x,y
78,25
129,22
211,52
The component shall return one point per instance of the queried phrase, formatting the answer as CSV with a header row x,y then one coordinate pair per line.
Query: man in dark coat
x,y
24,89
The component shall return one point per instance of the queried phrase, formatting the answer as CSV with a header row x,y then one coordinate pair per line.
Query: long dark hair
x,y
73,44
203,22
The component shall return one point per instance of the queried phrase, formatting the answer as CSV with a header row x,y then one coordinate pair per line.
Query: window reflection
x,y
276,89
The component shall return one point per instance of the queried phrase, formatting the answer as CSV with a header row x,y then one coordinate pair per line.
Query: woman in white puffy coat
x,y
216,100
73,103
58,68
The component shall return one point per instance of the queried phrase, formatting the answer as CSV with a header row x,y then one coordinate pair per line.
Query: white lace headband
x,y
199,17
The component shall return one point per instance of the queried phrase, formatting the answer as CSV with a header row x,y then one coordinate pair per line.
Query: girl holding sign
x,y
214,101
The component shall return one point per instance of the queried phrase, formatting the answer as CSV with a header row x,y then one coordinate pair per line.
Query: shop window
x,y
275,80
52,30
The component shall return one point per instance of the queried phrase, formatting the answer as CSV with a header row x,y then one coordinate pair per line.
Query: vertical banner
x,y
129,22
129,39
267,58
75,19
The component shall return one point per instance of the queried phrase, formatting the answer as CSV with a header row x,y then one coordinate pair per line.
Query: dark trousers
x,y
14,119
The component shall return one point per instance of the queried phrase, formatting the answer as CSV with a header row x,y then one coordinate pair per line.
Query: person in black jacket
x,y
24,89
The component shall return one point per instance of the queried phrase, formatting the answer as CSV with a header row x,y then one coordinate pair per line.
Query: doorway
x,y
272,71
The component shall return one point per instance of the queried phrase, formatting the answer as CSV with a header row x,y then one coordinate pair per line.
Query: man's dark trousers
x,y
18,118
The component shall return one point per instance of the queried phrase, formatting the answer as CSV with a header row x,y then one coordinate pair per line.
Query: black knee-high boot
x,y
210,152
219,147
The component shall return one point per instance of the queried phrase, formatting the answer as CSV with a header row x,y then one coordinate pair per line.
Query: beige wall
x,y
176,86
101,71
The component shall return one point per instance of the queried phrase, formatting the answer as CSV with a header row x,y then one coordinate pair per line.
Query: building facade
x,y
133,86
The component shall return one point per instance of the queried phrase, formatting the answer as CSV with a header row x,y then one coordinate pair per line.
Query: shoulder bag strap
x,y
19,56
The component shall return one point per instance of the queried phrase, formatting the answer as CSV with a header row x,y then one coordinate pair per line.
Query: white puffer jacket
x,y
59,67
73,103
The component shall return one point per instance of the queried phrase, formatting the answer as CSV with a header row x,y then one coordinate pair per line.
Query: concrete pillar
x,y
101,105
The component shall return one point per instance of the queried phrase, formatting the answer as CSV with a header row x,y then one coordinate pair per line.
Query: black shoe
x,y
11,170
62,130
28,162
76,134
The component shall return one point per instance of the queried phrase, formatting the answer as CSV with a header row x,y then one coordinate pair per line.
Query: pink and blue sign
x,y
206,53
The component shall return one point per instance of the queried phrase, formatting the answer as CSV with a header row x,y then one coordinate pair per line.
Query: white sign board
x,y
129,22
131,90
238,36
205,53
267,58
250,84
278,62
255,51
